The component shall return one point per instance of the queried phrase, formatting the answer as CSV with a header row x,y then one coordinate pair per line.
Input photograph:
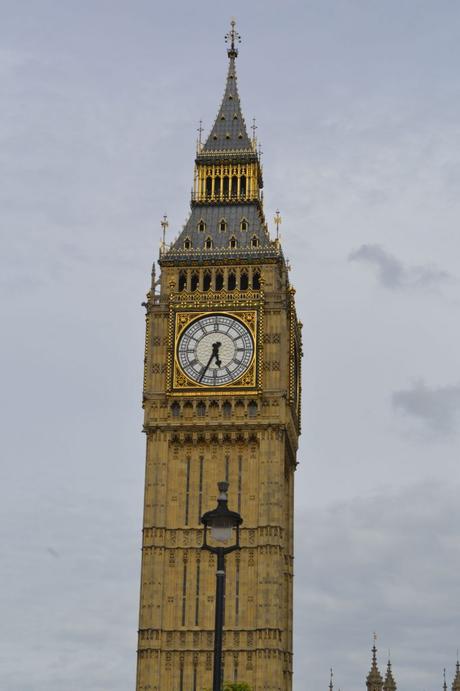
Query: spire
x,y
389,683
227,219
331,683
374,681
456,681
229,132
444,686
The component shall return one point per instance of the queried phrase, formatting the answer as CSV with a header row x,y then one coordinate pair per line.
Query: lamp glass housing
x,y
221,533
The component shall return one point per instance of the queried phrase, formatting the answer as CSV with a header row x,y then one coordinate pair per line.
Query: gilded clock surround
x,y
183,311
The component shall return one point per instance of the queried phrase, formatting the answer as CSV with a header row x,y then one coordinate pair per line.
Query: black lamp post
x,y
221,521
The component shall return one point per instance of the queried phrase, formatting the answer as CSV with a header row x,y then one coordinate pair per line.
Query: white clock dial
x,y
215,350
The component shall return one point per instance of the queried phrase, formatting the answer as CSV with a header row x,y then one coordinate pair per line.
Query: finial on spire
x,y
232,38
444,686
253,128
200,131
165,225
331,683
278,220
260,152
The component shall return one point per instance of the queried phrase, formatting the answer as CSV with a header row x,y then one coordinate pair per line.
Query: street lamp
x,y
221,522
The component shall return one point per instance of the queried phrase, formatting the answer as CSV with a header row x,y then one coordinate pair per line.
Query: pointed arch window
x,y
208,243
209,185
219,280
201,225
255,241
201,409
233,243
227,409
244,281
243,186
223,225
195,280
231,280
217,186
182,280
207,280
252,409
244,225
187,244
226,185
256,280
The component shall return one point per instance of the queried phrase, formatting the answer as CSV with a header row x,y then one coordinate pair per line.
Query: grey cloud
x,y
385,563
393,273
436,407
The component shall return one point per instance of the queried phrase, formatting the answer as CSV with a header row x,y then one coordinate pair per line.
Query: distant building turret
x,y
374,681
389,684
456,681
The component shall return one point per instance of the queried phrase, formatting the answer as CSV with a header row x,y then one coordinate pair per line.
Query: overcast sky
x,y
358,110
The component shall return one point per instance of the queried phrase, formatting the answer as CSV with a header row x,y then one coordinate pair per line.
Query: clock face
x,y
215,350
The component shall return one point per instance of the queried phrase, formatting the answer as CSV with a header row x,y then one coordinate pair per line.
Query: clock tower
x,y
222,402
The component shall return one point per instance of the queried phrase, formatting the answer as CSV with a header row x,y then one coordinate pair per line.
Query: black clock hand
x,y
214,354
203,371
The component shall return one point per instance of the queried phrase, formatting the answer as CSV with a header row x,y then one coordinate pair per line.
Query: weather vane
x,y
165,225
232,38
278,220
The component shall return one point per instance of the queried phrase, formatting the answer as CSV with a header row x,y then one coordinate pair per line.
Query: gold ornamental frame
x,y
184,310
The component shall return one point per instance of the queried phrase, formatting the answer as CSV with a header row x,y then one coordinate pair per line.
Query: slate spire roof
x,y
231,228
229,132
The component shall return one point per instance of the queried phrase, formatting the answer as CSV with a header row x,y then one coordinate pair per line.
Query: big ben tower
x,y
222,402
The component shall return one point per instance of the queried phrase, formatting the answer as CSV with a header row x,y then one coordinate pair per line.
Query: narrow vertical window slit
x,y
237,592
240,481
197,594
200,490
184,594
187,491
